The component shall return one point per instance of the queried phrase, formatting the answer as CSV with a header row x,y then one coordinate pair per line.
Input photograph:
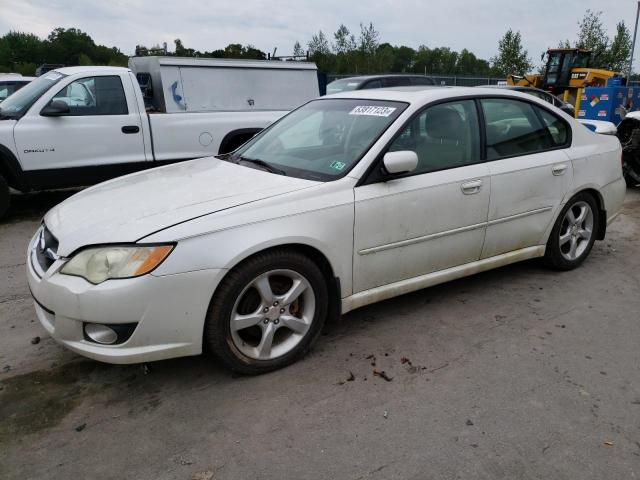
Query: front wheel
x,y
573,234
267,312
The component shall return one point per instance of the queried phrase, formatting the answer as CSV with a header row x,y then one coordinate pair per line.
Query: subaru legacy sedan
x,y
348,200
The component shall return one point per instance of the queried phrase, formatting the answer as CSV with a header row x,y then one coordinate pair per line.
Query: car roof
x,y
89,69
516,87
419,94
363,78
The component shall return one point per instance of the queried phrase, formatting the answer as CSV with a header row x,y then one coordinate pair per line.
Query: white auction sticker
x,y
372,111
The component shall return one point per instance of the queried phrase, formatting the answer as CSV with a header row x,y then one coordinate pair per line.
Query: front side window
x,y
372,84
323,139
345,85
443,136
513,128
94,96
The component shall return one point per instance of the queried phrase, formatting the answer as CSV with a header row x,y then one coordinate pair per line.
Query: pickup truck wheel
x,y
267,312
4,197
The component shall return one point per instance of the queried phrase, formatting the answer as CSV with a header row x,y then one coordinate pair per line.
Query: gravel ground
x,y
517,373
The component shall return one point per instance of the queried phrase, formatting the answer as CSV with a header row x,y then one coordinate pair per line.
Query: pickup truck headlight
x,y
103,263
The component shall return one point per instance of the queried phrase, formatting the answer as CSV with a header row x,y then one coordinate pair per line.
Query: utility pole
x,y
633,45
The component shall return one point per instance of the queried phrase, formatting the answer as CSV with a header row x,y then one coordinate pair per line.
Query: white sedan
x,y
348,200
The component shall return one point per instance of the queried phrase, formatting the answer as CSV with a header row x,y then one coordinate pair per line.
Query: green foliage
x,y
511,57
593,36
23,52
606,53
619,49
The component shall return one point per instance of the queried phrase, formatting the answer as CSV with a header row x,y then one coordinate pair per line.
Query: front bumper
x,y
170,311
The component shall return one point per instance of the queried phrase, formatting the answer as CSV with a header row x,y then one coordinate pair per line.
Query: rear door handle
x,y
130,129
469,188
558,170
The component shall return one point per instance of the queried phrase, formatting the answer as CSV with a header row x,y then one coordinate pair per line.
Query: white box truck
x,y
77,126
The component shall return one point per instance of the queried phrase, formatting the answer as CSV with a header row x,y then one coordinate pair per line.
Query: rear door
x,y
530,172
102,128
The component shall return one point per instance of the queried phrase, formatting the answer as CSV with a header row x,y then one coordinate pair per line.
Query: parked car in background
x,y
376,81
541,94
10,83
77,126
348,200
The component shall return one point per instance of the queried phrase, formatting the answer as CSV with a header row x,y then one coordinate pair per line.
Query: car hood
x,y
129,208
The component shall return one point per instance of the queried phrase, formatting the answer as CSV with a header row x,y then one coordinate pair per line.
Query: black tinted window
x,y
372,84
94,96
512,128
443,136
421,81
396,81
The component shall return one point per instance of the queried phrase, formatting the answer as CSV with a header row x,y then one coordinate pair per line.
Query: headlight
x,y
102,263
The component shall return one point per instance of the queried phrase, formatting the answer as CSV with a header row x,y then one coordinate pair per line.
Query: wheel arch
x,y
313,253
11,170
602,212
232,140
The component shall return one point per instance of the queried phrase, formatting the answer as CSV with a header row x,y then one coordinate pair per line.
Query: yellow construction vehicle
x,y
567,72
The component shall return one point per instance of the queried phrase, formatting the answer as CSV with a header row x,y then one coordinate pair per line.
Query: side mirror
x,y
404,161
55,108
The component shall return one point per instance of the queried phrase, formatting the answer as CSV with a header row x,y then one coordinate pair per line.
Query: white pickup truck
x,y
81,125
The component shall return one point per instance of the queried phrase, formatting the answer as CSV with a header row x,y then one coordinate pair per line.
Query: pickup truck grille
x,y
46,248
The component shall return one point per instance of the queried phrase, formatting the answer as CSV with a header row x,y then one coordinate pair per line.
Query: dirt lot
x,y
518,373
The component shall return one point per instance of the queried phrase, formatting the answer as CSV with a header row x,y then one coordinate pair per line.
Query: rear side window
x,y
94,96
557,128
513,128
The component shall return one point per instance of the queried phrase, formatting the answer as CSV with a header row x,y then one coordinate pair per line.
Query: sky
x,y
267,24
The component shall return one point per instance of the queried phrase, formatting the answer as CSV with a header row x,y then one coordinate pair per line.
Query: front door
x,y
432,218
100,129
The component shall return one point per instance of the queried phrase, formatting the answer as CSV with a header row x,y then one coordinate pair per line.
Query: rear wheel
x,y
267,312
4,197
574,233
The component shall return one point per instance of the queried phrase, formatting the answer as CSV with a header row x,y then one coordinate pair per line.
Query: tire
x,y
4,197
269,331
571,241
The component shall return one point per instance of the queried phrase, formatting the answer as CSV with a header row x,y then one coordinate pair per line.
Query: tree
x,y
297,50
319,44
620,49
511,57
593,36
344,41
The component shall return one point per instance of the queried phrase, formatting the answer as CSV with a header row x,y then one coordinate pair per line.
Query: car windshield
x,y
17,104
344,85
321,140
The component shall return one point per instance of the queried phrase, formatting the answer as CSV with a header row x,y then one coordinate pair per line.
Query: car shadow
x,y
33,206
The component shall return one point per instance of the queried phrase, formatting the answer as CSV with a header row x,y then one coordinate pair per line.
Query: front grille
x,y
46,249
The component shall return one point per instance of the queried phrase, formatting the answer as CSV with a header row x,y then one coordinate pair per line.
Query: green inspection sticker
x,y
337,165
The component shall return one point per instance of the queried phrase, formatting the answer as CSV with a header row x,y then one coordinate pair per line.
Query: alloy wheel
x,y
272,314
576,230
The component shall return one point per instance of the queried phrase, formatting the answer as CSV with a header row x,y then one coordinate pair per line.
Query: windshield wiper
x,y
263,164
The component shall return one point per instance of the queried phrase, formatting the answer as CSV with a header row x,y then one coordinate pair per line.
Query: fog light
x,y
100,333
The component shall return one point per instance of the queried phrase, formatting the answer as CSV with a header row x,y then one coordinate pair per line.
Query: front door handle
x,y
558,170
130,129
469,188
